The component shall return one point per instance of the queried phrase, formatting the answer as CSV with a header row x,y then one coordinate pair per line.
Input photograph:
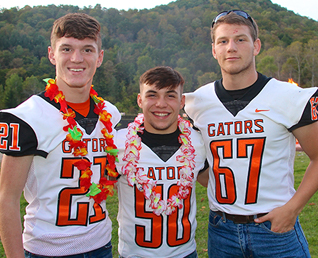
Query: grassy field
x,y
308,217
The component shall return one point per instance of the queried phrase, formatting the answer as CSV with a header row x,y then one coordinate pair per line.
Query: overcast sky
x,y
307,8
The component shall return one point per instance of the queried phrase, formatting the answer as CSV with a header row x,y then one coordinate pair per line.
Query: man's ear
x,y
139,100
257,46
51,55
182,102
100,58
213,52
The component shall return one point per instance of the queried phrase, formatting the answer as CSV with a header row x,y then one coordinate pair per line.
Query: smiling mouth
x,y
76,70
161,114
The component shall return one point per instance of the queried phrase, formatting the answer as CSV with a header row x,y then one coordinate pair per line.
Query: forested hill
x,y
177,35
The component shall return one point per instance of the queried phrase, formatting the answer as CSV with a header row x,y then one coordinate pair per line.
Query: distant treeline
x,y
176,35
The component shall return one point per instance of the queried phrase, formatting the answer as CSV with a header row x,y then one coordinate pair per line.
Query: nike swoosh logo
x,y
261,110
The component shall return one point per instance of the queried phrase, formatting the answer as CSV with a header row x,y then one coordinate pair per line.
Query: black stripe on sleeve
x,y
308,117
17,138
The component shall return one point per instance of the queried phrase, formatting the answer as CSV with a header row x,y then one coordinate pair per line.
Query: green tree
x,y
267,66
31,86
289,68
12,95
187,76
207,78
144,63
295,50
279,56
312,59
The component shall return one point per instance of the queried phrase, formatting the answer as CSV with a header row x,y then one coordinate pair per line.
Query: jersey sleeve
x,y
310,114
17,138
112,109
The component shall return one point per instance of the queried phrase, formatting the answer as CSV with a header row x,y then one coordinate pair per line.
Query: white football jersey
x,y
60,219
141,232
251,154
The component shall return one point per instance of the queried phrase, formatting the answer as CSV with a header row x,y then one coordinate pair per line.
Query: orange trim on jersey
x,y
81,108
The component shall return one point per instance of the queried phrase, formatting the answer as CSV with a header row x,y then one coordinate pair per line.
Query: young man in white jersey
x,y
54,150
160,158
249,123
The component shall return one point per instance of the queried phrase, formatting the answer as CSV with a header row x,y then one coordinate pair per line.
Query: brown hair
x,y
76,25
162,77
233,18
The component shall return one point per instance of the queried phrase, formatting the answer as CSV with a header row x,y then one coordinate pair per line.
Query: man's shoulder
x,y
112,109
201,89
30,107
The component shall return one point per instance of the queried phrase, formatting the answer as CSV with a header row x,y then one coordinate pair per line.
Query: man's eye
x,y
88,50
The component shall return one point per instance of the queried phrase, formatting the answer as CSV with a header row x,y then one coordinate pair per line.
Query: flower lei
x,y
146,185
104,188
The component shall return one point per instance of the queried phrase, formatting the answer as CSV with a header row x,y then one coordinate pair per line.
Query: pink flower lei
x,y
146,185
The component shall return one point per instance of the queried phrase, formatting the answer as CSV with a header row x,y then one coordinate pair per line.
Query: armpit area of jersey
x,y
206,165
17,138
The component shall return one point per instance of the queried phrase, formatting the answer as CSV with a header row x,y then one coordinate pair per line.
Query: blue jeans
x,y
227,239
192,255
103,252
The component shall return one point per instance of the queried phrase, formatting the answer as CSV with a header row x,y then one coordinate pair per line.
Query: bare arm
x,y
203,178
13,176
283,218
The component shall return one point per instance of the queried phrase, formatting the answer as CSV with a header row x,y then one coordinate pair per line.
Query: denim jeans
x,y
192,255
227,239
103,252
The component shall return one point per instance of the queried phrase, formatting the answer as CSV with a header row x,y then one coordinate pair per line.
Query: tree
x,y
144,63
279,56
31,86
312,58
13,91
207,78
289,67
267,66
187,76
295,50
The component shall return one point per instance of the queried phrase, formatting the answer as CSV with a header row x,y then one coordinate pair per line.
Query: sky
x,y
307,8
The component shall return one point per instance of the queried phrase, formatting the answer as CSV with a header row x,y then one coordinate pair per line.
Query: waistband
x,y
240,219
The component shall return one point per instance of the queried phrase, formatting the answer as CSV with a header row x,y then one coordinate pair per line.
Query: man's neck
x,y
239,81
76,97
74,94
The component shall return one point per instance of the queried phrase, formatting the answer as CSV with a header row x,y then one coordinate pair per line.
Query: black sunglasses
x,y
238,12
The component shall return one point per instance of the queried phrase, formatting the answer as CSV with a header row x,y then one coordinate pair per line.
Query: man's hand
x,y
282,219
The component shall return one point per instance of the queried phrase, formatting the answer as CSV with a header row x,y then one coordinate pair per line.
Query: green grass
x,y
308,217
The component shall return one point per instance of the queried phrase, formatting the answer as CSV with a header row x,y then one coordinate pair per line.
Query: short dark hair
x,y
76,25
233,18
162,77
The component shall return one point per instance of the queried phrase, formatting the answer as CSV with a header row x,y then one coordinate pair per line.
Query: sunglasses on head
x,y
238,12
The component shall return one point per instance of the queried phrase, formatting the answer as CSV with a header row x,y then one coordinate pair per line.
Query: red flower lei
x,y
101,191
